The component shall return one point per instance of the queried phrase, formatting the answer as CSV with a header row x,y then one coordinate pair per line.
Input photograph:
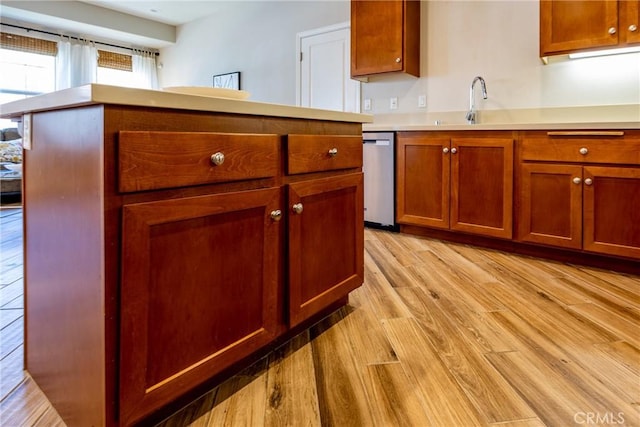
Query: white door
x,y
323,73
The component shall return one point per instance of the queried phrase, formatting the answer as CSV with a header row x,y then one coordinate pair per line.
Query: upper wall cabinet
x,y
568,26
385,37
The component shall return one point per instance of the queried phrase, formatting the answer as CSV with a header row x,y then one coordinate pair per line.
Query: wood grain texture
x,y
468,337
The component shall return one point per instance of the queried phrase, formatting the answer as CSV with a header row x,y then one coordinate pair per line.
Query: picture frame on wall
x,y
227,81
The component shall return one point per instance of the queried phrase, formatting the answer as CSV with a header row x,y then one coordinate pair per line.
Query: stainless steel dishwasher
x,y
379,179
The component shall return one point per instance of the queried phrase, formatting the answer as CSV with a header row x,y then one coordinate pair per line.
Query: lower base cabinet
x,y
326,243
199,291
164,249
456,181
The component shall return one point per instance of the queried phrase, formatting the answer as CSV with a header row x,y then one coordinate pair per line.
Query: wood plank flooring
x,y
440,334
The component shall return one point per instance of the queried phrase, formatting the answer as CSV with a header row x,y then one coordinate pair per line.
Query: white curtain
x,y
145,71
76,63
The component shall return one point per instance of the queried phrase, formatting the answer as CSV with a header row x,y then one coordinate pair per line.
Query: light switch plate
x,y
422,101
393,103
367,104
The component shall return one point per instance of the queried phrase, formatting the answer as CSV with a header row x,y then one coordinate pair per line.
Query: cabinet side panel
x,y
64,271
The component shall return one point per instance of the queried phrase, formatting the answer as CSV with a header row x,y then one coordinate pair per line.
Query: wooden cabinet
x,y
199,291
580,190
326,242
568,26
163,250
457,181
326,222
385,37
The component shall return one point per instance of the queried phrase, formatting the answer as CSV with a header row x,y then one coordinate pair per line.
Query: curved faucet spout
x,y
471,114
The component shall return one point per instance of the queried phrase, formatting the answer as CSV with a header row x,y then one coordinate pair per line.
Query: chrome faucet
x,y
471,114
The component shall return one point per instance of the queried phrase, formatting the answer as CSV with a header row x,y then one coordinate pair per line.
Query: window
x,y
24,74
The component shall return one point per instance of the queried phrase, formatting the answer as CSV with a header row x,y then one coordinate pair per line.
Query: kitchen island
x,y
171,239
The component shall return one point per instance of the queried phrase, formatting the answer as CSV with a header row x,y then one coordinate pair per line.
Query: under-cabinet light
x,y
604,52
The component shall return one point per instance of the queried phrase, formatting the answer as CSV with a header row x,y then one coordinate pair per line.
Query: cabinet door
x,y
630,24
550,204
199,291
423,180
570,25
326,242
482,186
376,36
612,210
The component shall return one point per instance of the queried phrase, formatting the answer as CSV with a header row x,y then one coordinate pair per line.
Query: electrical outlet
x,y
367,104
393,103
422,101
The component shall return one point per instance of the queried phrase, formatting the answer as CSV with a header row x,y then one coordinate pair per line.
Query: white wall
x,y
460,39
256,38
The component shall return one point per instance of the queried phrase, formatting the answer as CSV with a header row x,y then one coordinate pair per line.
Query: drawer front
x,y
582,147
155,160
316,153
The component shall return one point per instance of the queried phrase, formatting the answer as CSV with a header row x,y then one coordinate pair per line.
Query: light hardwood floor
x,y
440,334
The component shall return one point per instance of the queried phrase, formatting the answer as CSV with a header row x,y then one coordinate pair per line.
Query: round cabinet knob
x,y
633,28
588,181
276,215
612,30
584,151
454,150
297,208
217,158
445,150
333,152
577,180
398,60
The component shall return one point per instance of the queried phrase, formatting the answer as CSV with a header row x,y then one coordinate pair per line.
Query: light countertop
x,y
576,118
104,94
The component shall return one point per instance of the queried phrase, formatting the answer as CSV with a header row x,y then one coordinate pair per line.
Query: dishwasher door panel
x,y
379,179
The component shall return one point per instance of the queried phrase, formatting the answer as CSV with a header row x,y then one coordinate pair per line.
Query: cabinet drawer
x,y
315,153
155,160
582,147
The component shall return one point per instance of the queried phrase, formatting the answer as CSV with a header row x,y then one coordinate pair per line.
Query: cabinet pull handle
x,y
585,133
217,158
333,152
584,151
276,215
445,150
398,60
588,181
612,30
633,28
577,180
297,208
454,150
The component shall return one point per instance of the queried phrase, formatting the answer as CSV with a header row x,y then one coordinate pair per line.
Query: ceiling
x,y
173,12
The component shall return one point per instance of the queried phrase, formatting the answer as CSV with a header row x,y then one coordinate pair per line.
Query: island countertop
x,y
104,94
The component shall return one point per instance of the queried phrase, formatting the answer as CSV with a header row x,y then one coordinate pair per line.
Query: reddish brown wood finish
x,y
586,201
550,205
482,186
568,26
154,160
199,292
312,153
612,211
73,241
67,351
422,179
566,147
385,37
572,25
326,243
630,12
450,180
